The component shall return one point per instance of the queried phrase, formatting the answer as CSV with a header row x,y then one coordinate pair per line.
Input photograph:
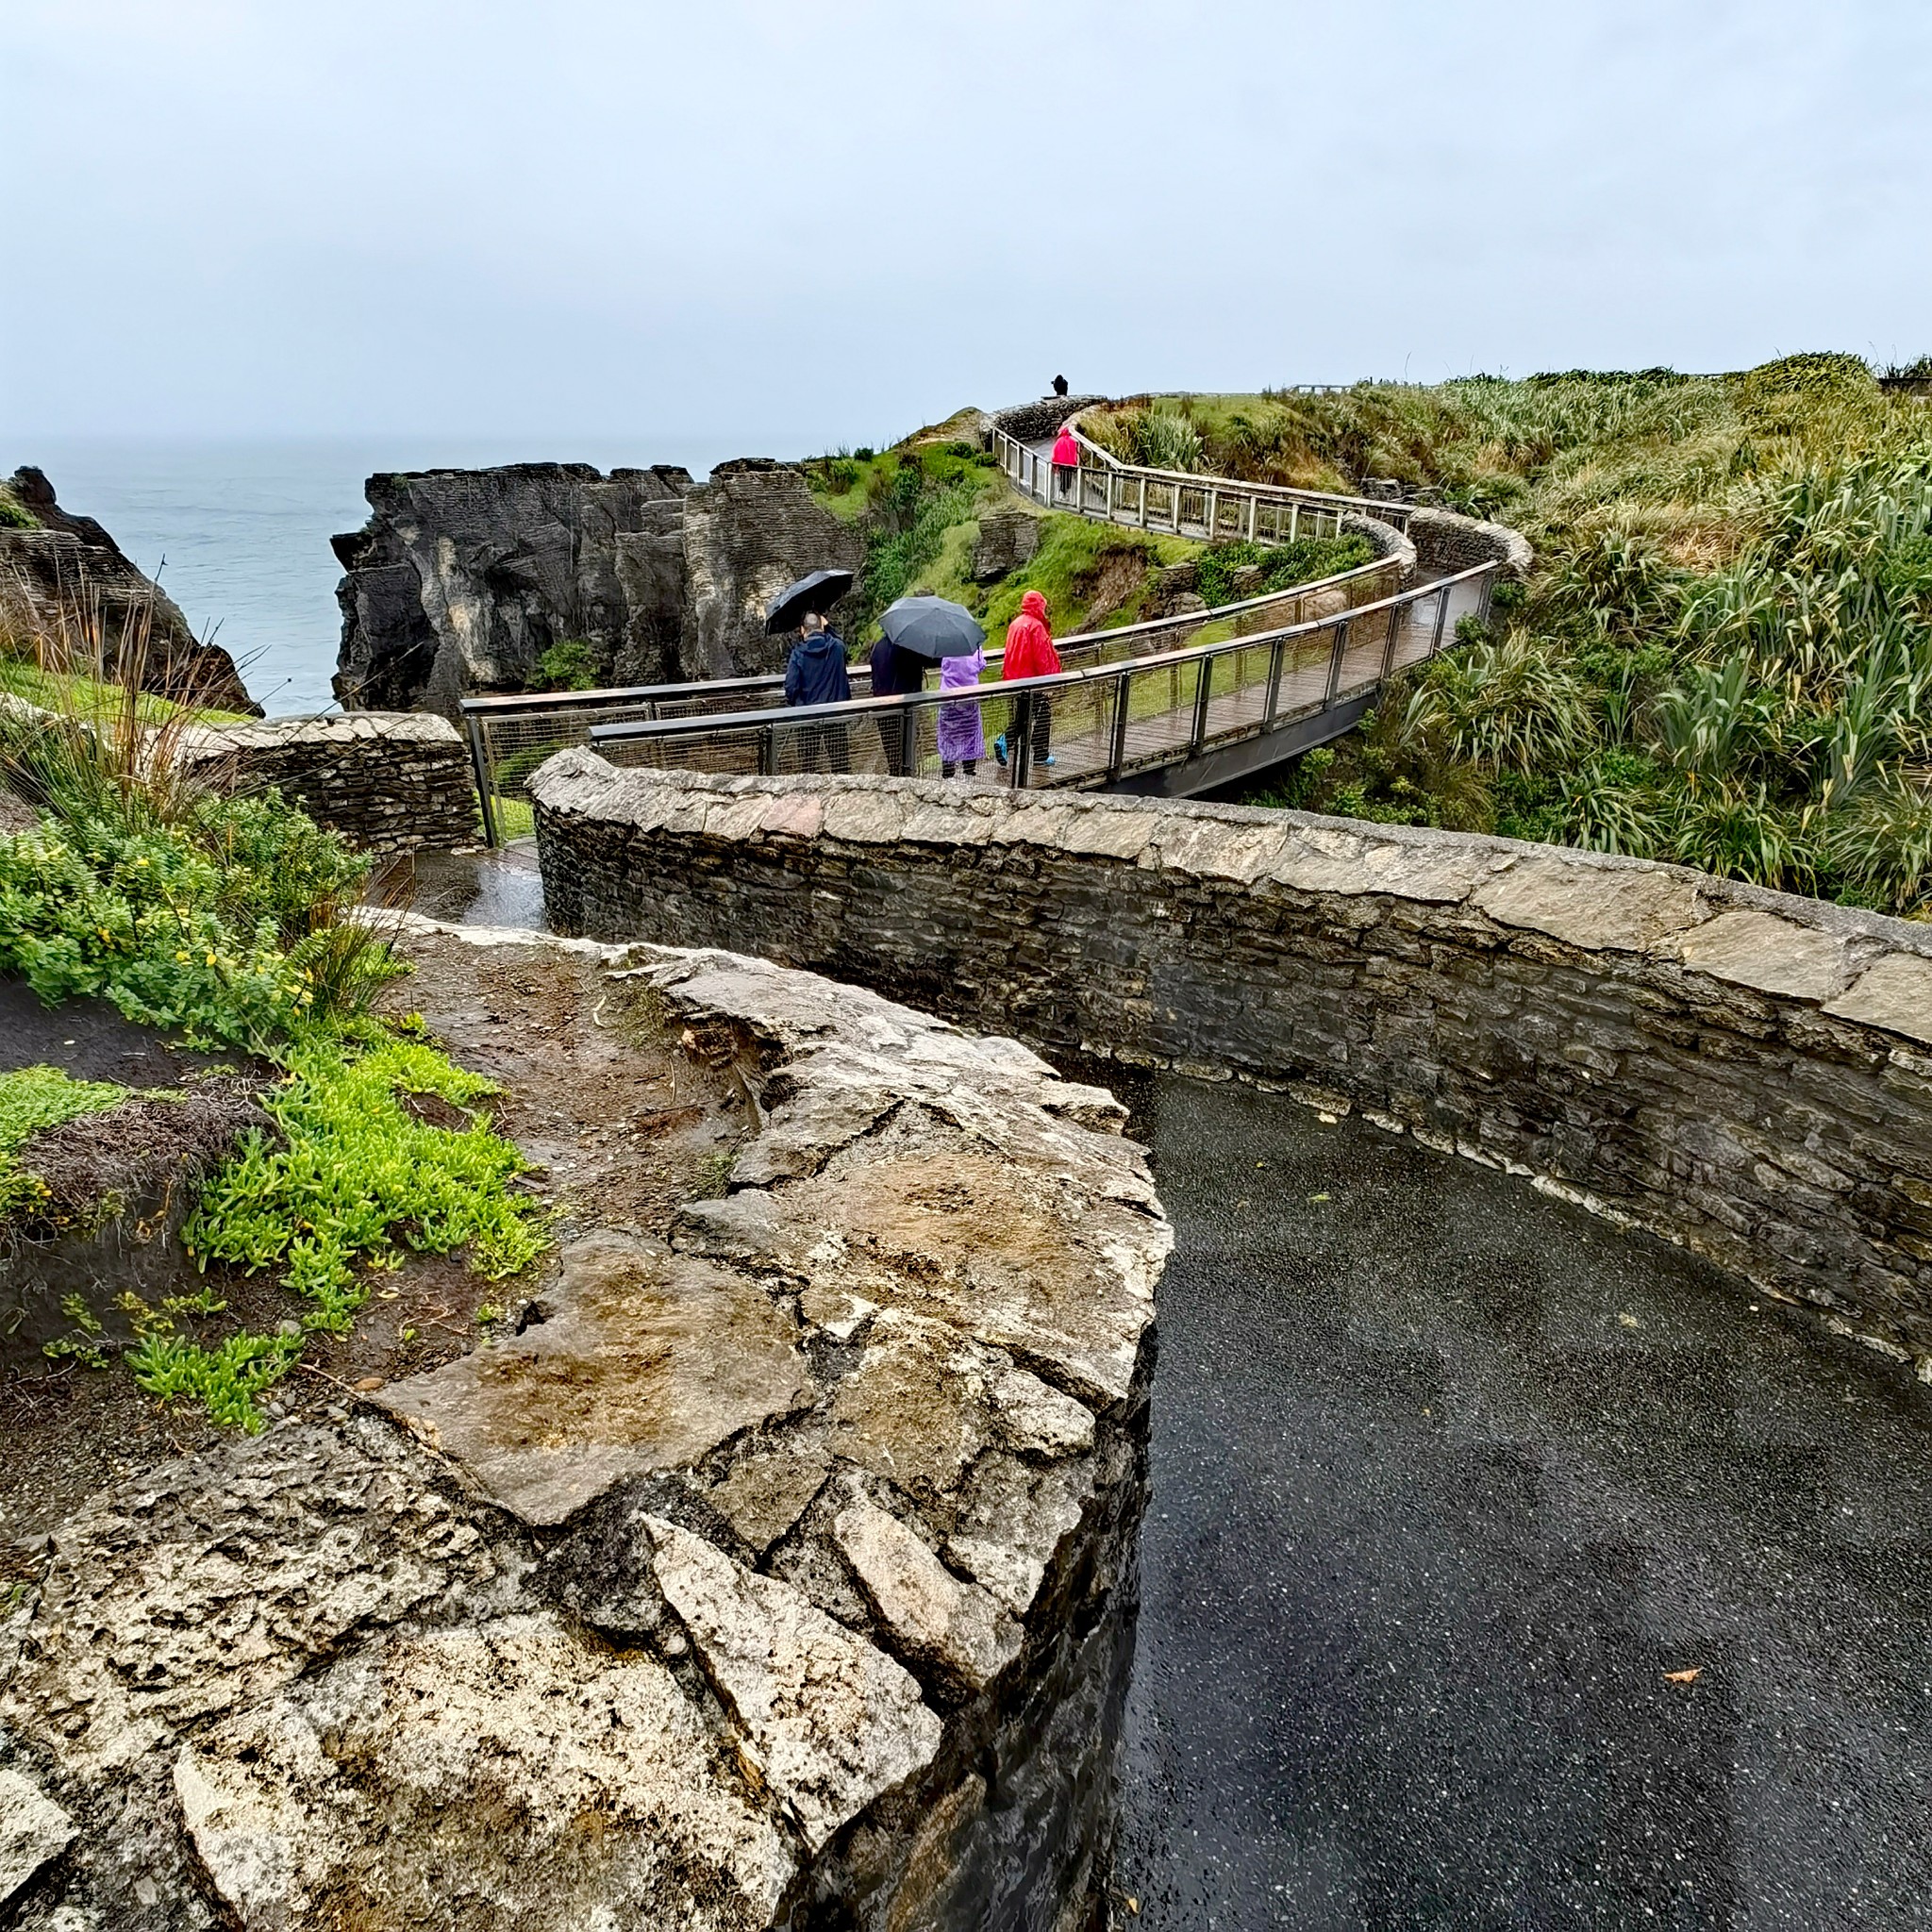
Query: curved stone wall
x,y
1743,1071
778,1574
1446,542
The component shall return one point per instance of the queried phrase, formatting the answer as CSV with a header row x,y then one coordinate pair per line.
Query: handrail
x,y
1251,701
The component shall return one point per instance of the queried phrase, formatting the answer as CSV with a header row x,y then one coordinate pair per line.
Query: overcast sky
x,y
810,222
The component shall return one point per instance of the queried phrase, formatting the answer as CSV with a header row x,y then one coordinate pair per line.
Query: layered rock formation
x,y
67,581
779,1572
462,579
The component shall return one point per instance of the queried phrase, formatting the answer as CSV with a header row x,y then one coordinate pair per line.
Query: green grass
x,y
84,697
1724,655
31,1100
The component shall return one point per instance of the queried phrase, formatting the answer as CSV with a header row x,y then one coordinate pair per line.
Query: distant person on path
x,y
962,739
1066,462
1029,654
1059,385
815,675
893,673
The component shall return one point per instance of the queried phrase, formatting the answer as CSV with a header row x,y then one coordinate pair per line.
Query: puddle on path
x,y
1447,1479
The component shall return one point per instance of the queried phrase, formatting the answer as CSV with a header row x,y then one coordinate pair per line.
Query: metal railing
x,y
1212,510
1098,726
512,735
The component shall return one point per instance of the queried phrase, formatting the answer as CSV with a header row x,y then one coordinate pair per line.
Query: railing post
x,y
1396,612
1274,683
1019,740
1335,661
1253,510
768,752
1117,755
1213,516
1204,689
1143,502
1295,520
908,740
1442,620
1489,596
480,766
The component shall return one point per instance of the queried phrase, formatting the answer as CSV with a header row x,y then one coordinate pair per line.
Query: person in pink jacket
x,y
1066,463
1029,653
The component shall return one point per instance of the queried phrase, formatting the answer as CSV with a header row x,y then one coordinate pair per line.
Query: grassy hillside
x,y
921,506
1724,653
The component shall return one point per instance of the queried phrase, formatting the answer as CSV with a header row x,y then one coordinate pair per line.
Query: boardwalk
x,y
1178,705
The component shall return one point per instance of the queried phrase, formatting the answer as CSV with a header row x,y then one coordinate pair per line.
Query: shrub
x,y
30,1100
569,664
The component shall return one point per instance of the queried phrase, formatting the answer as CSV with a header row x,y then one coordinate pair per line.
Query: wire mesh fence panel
x,y
728,750
1366,647
1304,662
1238,695
1421,621
1160,713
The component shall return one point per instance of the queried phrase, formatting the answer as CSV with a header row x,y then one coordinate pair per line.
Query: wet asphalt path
x,y
1448,1477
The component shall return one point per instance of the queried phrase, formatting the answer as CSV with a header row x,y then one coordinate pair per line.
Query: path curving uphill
x,y
1176,707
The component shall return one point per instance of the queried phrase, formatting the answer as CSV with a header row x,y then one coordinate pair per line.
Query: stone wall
x,y
1385,541
1446,542
386,781
1743,1071
778,1574
1035,422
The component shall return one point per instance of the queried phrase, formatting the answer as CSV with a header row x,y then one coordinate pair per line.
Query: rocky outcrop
x,y
66,581
462,579
778,1572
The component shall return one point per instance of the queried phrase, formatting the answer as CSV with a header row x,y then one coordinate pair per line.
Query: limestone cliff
x,y
462,579
69,565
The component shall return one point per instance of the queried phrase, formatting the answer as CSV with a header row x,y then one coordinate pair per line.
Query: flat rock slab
x,y
33,1831
507,1775
646,1360
832,1720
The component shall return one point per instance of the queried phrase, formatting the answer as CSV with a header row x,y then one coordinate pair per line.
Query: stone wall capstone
x,y
1446,542
1743,1071
388,781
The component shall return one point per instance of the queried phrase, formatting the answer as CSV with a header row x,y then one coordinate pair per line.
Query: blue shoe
x,y
1048,759
999,748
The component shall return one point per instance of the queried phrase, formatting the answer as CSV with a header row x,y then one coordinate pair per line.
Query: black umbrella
x,y
819,593
932,627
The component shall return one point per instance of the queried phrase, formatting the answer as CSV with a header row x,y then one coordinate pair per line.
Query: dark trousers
x,y
1032,726
823,748
892,742
1064,477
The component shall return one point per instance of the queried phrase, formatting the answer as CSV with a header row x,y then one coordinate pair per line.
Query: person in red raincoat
x,y
1066,462
1029,654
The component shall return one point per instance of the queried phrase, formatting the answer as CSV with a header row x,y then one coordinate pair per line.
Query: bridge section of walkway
x,y
1177,722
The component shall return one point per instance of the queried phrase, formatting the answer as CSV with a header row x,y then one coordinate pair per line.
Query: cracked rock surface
x,y
778,1569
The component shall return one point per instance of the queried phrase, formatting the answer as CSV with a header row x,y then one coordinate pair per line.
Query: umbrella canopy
x,y
932,627
819,593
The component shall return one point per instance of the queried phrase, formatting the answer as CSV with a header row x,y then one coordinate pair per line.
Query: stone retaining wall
x,y
1743,1071
1387,542
1035,422
1446,542
389,782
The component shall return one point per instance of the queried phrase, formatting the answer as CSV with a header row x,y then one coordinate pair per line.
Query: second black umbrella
x,y
932,627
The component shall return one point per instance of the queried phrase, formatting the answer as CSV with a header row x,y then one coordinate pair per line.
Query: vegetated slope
x,y
926,505
1724,653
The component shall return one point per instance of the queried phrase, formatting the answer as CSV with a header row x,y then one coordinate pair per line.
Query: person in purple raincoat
x,y
962,742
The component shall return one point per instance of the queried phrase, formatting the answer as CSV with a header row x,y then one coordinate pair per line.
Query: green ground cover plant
x,y
234,921
1724,655
32,1099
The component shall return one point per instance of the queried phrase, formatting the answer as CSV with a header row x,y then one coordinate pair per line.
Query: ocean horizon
x,y
237,531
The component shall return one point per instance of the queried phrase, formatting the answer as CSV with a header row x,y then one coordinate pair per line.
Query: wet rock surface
x,y
462,579
1451,1485
763,1570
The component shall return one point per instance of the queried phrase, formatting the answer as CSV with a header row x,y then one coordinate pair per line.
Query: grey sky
x,y
820,221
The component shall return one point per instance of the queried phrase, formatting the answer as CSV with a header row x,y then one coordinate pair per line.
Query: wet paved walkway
x,y
1448,1479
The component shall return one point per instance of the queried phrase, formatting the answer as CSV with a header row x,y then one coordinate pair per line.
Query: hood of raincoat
x,y
1030,643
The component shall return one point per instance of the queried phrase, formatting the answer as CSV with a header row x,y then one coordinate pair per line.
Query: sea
x,y
238,532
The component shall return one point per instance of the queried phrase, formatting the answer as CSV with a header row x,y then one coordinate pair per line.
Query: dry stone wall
x,y
1743,1071
780,1573
388,781
1446,542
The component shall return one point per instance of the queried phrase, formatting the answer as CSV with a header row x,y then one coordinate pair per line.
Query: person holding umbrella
x,y
815,669
895,673
920,628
